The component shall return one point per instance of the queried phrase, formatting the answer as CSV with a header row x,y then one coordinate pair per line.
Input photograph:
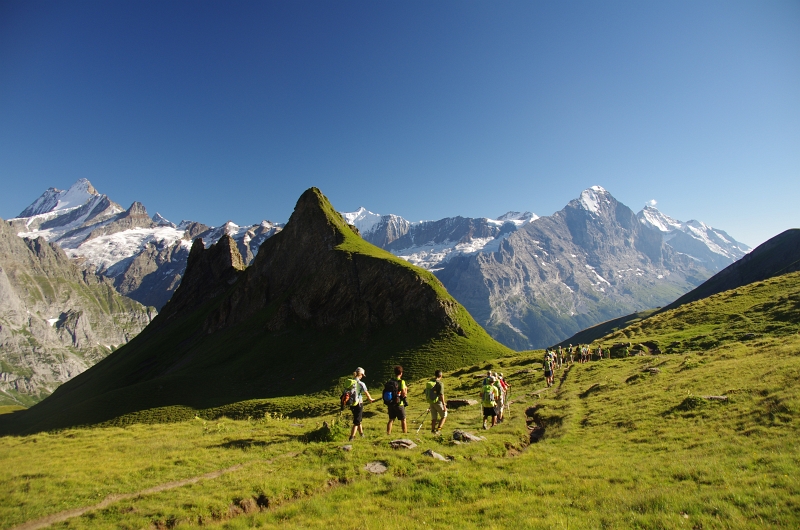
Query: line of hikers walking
x,y
494,398
557,358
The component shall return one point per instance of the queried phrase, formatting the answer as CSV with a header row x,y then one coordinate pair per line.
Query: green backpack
x,y
489,393
431,395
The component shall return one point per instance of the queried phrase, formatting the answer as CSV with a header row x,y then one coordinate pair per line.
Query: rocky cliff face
x,y
55,320
590,262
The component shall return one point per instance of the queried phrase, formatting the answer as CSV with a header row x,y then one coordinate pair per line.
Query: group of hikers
x,y
556,358
494,398
395,393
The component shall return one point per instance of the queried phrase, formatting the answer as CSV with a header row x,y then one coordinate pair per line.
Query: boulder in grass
x,y
433,454
457,403
376,467
403,443
463,436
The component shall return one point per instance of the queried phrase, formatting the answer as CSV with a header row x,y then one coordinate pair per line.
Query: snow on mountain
x,y
709,245
362,219
106,251
161,221
592,198
518,218
429,244
650,215
54,199
127,246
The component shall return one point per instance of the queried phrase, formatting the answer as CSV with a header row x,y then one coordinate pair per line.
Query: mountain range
x,y
530,281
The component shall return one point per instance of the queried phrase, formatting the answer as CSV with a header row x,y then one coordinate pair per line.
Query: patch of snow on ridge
x,y
590,198
105,251
432,255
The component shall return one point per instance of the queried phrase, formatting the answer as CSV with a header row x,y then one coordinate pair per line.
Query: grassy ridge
x,y
769,308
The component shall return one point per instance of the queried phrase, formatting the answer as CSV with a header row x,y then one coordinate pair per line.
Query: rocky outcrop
x,y
209,273
55,320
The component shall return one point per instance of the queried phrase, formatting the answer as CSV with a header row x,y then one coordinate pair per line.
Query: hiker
x,y
560,357
499,397
503,401
548,373
571,357
394,394
489,402
358,390
434,393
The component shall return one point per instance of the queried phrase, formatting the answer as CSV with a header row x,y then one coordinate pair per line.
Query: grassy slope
x,y
623,447
246,363
602,329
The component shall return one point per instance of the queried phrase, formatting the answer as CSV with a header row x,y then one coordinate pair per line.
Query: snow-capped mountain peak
x,y
651,216
591,199
362,219
54,199
160,220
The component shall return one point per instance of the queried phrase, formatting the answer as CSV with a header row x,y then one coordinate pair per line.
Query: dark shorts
x,y
489,411
358,413
397,412
547,373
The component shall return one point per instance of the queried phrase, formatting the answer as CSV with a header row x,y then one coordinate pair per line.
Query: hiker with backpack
x,y
547,369
502,390
353,397
434,394
489,402
394,394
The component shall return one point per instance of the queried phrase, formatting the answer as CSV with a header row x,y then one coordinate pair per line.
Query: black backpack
x,y
391,391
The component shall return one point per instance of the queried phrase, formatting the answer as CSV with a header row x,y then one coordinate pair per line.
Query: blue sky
x,y
228,110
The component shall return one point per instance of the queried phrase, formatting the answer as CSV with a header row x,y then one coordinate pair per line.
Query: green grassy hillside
x,y
769,308
622,446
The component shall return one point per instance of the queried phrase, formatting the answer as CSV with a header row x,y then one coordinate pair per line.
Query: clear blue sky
x,y
228,110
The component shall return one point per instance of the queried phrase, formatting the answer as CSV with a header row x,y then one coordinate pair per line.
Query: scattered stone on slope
x,y
463,436
458,403
376,467
403,443
436,456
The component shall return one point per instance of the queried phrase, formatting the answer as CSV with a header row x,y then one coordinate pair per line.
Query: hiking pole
x,y
423,422
423,414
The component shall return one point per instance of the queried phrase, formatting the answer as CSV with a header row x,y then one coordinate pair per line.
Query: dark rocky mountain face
x,y
590,262
316,302
55,320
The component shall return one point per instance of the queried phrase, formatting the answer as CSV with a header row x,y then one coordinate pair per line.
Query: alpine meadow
x,y
518,265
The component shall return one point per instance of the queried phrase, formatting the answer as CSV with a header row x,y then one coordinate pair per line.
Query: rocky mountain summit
x,y
316,302
55,319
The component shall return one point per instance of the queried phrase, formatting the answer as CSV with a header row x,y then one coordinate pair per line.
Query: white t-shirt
x,y
361,389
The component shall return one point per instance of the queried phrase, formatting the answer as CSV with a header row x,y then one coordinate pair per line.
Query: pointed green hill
x,y
317,302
